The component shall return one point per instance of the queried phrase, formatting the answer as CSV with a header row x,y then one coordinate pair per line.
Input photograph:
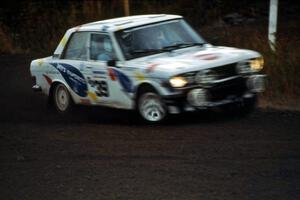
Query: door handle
x,y
89,66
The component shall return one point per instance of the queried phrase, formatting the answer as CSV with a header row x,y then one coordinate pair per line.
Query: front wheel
x,y
62,99
151,107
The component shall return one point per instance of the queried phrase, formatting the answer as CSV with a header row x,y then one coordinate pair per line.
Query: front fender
x,y
158,85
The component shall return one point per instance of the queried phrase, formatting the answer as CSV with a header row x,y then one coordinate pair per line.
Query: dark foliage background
x,y
37,26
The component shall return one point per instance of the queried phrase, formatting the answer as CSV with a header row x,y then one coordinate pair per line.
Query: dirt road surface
x,y
107,154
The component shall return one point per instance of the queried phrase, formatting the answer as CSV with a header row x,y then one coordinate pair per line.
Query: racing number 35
x,y
101,88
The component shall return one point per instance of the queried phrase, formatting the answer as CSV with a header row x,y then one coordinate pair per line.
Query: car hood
x,y
194,58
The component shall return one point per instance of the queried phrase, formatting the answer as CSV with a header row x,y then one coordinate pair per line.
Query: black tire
x,y
62,99
151,107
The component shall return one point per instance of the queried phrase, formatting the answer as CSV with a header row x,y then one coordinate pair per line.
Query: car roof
x,y
115,24
111,25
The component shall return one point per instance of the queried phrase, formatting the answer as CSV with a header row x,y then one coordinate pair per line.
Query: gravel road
x,y
106,154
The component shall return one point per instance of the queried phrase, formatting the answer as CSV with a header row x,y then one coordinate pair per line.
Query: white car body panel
x,y
82,78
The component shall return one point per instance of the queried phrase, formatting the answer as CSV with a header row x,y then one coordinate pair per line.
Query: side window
x,y
77,46
101,48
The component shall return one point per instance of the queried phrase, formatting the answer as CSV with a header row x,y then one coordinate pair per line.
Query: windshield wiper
x,y
138,51
182,45
165,48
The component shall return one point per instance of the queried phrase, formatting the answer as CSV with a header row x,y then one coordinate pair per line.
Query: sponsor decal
x,y
63,41
139,76
73,77
123,79
207,56
40,62
112,74
48,79
92,95
100,87
151,68
85,101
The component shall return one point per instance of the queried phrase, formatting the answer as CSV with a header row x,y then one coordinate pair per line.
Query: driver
x,y
162,39
106,50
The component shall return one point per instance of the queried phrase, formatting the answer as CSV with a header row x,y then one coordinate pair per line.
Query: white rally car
x,y
156,64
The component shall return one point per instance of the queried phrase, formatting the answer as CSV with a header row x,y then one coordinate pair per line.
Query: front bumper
x,y
233,90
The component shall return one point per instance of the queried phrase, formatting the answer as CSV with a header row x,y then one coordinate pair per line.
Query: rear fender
x,y
55,82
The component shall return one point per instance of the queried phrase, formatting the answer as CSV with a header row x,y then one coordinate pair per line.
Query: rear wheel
x,y
62,99
151,107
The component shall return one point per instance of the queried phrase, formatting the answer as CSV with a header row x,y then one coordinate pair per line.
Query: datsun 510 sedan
x,y
156,64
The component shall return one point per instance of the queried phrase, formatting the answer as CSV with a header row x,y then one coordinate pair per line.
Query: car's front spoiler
x,y
186,107
204,98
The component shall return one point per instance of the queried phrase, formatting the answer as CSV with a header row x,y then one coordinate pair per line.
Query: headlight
x,y
178,81
257,64
244,67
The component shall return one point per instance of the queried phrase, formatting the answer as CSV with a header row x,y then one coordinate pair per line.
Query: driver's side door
x,y
101,89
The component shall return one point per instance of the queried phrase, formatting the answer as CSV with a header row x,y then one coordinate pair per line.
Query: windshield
x,y
157,38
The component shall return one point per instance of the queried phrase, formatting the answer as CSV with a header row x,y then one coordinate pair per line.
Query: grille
x,y
225,71
220,72
236,88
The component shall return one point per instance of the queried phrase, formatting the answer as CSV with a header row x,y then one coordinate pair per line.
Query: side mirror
x,y
111,63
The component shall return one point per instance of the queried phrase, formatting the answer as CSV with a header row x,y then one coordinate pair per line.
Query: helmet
x,y
107,45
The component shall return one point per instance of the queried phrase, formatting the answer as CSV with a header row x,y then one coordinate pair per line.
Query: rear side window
x,y
77,46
